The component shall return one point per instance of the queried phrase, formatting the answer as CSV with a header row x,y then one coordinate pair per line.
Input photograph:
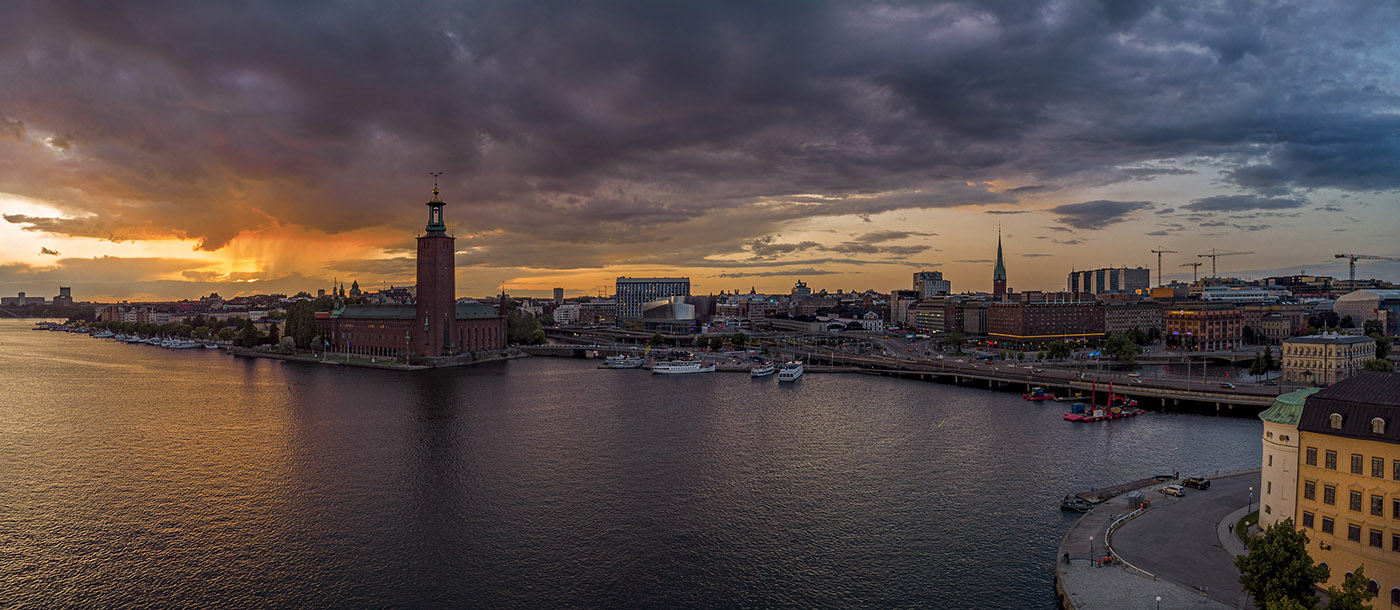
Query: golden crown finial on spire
x,y
436,192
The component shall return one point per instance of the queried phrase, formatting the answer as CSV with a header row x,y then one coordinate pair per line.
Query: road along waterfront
x,y
141,477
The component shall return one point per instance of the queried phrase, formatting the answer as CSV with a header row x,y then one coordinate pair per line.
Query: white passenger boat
x,y
180,344
622,362
762,368
790,371
106,334
679,367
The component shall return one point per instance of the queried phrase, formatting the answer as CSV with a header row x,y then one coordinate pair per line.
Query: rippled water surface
x,y
139,477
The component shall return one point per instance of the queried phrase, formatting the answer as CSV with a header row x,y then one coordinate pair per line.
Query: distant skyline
x,y
170,149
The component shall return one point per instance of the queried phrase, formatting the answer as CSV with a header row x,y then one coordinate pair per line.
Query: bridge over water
x,y
1164,393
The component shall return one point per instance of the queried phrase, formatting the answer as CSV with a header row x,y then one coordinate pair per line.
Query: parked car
x,y
1173,490
1197,482
1164,477
1270,382
1134,380
1227,385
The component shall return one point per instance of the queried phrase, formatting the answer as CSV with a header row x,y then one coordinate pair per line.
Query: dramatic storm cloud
x,y
1097,214
617,137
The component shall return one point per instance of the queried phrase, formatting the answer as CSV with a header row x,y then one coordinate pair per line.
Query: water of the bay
x,y
133,476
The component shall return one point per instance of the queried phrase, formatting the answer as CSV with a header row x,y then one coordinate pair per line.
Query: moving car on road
x,y
1197,482
1228,385
1173,490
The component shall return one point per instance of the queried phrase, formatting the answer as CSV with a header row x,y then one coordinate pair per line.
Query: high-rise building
x,y
1110,280
801,291
999,274
558,296
634,292
931,284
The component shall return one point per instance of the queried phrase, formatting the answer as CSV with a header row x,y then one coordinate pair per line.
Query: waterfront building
x,y
1349,480
1326,358
669,315
1125,316
21,299
931,284
1038,324
999,274
567,313
1371,304
634,292
435,325
1203,327
1109,280
1279,474
65,296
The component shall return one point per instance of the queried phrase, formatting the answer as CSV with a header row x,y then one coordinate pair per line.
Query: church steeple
x,y
999,273
436,226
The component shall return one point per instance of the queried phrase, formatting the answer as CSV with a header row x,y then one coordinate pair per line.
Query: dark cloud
x,y
1236,203
1031,189
776,273
1093,215
1008,211
585,125
1331,207
975,260
1035,255
48,252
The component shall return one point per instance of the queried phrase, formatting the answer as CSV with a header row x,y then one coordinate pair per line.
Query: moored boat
x,y
622,362
680,367
1038,393
762,368
105,334
790,371
1076,504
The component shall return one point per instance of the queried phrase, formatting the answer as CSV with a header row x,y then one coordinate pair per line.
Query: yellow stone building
x,y
1348,496
1325,359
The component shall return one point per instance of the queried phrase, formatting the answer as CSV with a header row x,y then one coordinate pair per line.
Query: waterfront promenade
x,y
1178,549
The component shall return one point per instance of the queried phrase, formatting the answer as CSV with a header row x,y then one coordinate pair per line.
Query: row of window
x,y
1354,500
1358,463
1375,537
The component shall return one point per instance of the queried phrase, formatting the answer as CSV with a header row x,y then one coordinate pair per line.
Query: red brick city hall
x,y
435,325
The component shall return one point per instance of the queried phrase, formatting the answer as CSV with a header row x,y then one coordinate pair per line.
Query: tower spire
x,y
999,272
436,226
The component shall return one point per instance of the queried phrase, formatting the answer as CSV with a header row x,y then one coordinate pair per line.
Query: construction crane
x,y
1214,255
1159,252
1368,257
1194,267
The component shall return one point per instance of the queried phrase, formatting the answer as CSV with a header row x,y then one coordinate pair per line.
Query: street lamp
x,y
1091,552
1159,602
1249,508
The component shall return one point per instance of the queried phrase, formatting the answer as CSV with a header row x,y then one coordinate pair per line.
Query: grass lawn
x,y
1243,525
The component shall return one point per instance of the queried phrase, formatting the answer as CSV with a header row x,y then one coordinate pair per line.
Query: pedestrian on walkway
x,y
1232,528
